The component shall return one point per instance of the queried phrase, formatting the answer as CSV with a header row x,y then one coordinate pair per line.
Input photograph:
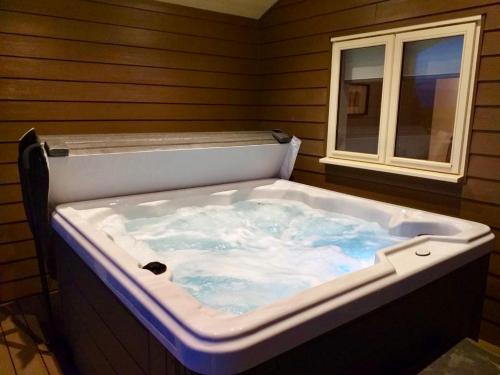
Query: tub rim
x,y
200,333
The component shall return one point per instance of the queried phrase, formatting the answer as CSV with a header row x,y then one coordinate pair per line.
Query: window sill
x,y
440,176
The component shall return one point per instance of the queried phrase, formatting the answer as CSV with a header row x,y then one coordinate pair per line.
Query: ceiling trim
x,y
244,8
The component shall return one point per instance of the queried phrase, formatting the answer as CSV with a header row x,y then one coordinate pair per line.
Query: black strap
x,y
34,177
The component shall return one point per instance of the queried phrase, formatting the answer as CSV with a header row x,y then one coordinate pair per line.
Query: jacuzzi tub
x,y
213,342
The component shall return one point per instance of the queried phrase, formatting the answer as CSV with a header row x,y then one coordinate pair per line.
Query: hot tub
x,y
263,275
425,247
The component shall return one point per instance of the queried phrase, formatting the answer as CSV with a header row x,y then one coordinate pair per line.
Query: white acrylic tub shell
x,y
211,342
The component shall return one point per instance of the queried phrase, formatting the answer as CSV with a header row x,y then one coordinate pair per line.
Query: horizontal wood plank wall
x,y
111,66
296,55
75,66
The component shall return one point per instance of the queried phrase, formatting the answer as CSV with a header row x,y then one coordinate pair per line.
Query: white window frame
x,y
387,41
467,31
394,39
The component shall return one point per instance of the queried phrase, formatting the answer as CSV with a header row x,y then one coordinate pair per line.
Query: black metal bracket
x,y
281,137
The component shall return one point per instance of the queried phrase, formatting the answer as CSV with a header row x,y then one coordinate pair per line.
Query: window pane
x,y
428,98
360,94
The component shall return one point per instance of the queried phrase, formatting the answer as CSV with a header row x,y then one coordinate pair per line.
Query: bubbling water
x,y
236,258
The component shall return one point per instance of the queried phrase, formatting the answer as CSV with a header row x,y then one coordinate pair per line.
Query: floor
x,y
466,357
22,348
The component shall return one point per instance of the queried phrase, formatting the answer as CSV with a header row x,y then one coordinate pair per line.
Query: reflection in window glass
x,y
360,94
428,98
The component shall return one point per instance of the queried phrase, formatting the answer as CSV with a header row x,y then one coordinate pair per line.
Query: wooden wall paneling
x,y
482,190
47,69
11,212
495,263
18,250
345,19
492,19
308,9
312,147
12,232
7,150
294,113
38,90
488,94
493,287
135,17
304,96
489,69
47,48
309,163
486,118
48,111
294,80
70,29
312,42
299,63
8,173
297,46
10,193
483,212
490,43
496,246
22,287
486,10
73,66
311,130
484,167
18,269
485,143
402,9
439,188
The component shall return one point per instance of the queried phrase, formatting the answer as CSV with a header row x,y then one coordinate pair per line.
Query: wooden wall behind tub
x,y
71,66
74,66
296,61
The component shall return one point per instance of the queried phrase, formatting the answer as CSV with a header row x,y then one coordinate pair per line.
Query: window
x,y
400,100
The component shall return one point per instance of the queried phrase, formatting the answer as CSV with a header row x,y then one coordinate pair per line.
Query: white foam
x,y
239,257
